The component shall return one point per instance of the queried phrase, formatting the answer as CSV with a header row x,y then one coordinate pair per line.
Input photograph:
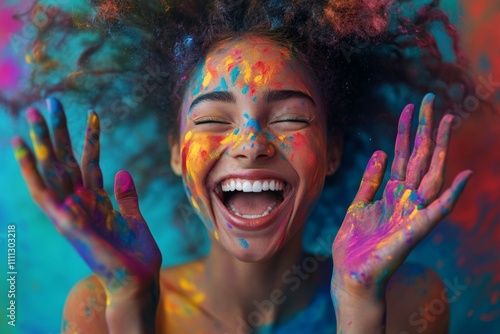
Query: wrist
x,y
352,287
133,310
359,309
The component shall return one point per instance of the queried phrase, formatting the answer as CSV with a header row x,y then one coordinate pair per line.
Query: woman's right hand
x,y
117,245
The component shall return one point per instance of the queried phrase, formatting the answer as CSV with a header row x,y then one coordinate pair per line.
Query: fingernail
x,y
409,107
20,150
53,105
464,181
449,118
16,141
91,115
33,115
429,97
124,182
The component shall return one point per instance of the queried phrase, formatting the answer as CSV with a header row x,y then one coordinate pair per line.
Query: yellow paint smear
x,y
41,151
186,285
247,71
405,196
188,135
198,298
412,215
206,80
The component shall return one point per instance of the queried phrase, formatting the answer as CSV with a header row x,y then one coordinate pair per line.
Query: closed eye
x,y
290,123
208,120
293,119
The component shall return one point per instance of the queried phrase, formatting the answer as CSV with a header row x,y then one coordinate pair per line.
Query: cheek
x,y
199,153
307,153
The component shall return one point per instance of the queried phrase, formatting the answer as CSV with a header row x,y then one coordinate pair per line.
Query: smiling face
x,y
253,145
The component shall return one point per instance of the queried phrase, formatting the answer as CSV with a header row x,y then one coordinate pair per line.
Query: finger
x,y
402,147
442,206
62,142
43,196
91,170
372,178
433,180
126,194
53,172
419,160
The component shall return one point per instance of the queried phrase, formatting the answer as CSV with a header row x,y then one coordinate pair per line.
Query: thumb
x,y
126,195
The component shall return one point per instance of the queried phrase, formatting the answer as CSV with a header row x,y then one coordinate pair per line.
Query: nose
x,y
252,144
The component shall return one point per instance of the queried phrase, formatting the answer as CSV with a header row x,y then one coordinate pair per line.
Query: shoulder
x,y
85,307
84,311
416,301
181,300
182,278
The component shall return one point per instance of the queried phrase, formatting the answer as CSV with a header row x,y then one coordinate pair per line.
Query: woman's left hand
x,y
376,236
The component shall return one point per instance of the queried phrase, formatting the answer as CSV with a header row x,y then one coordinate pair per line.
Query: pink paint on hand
x,y
124,182
33,115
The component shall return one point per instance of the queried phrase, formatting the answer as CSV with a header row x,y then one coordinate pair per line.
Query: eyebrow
x,y
281,95
270,96
222,96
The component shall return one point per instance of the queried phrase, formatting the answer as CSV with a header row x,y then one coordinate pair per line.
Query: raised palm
x,y
376,236
117,245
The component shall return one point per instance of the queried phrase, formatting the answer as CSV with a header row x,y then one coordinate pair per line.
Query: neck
x,y
250,294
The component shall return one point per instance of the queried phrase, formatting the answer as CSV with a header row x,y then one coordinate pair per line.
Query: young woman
x,y
257,130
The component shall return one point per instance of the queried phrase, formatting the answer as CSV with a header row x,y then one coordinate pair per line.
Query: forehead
x,y
249,63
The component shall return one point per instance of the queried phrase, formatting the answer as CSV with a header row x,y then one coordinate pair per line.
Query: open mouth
x,y
255,200
251,198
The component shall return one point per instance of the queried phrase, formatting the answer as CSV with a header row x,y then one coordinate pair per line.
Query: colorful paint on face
x,y
201,150
244,127
238,68
243,243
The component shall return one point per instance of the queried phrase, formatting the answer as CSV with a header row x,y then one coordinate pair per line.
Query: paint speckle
x,y
243,243
245,89
223,84
234,75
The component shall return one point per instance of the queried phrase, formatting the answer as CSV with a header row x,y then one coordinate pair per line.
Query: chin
x,y
257,250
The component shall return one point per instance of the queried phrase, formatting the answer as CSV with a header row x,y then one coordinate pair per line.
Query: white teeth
x,y
247,187
255,186
265,213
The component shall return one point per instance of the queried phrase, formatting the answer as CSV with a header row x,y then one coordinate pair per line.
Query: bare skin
x,y
246,129
418,293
